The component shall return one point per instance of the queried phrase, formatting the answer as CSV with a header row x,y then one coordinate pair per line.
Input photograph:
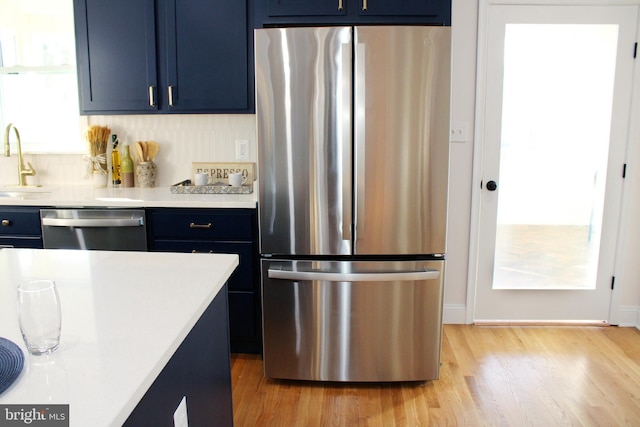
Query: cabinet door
x,y
20,221
353,12
206,55
306,7
116,54
399,8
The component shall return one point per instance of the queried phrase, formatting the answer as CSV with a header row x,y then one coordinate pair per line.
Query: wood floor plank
x,y
490,376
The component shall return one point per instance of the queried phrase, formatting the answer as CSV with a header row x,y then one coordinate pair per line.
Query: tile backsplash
x,y
183,139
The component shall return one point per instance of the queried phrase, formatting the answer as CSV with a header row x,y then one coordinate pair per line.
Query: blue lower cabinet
x,y
232,231
20,227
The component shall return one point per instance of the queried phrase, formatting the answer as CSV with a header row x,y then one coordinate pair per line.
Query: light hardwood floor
x,y
490,376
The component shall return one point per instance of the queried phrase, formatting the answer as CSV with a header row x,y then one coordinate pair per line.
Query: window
x,y
38,84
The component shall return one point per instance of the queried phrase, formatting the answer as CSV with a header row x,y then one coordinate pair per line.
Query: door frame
x,y
615,315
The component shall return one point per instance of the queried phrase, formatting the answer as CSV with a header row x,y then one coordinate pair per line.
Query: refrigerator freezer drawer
x,y
363,321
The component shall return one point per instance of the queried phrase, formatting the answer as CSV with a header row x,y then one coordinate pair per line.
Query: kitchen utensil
x,y
137,147
152,150
143,144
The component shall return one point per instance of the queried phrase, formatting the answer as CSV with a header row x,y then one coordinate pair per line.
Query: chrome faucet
x,y
23,172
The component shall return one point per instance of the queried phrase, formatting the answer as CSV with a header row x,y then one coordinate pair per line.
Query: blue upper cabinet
x,y
414,8
116,54
347,12
206,55
164,56
305,8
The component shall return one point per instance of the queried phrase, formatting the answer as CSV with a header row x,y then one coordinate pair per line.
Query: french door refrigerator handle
x,y
425,274
345,126
360,122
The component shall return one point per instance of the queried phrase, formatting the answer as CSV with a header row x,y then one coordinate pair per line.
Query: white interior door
x,y
553,123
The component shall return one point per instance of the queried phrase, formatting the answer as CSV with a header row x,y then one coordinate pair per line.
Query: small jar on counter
x,y
146,174
126,167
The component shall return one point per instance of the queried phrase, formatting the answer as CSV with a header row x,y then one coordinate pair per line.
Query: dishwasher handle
x,y
330,276
93,222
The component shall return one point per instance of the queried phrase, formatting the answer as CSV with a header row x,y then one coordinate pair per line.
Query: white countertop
x,y
123,315
87,196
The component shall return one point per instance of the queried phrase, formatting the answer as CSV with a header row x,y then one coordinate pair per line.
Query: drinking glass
x,y
39,316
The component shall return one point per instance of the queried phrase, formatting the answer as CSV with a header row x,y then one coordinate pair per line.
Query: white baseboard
x,y
454,314
629,316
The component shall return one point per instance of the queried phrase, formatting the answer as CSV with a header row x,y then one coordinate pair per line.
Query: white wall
x,y
464,27
183,139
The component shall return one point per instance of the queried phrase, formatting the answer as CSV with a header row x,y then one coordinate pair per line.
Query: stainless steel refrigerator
x,y
353,155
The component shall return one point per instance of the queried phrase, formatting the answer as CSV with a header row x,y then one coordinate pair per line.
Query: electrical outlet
x,y
459,132
242,149
180,418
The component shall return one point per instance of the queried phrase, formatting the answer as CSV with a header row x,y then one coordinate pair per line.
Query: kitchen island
x,y
139,331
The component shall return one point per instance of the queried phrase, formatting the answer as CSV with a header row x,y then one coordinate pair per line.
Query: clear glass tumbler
x,y
39,316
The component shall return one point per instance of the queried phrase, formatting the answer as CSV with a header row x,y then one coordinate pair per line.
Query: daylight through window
x,y
38,85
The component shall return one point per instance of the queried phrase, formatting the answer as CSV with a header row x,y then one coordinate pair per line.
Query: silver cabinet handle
x,y
364,4
353,277
194,225
101,222
170,95
340,5
152,98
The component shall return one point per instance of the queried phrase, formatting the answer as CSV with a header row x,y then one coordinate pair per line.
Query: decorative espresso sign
x,y
219,172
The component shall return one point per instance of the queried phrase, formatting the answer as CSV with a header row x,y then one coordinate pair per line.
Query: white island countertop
x,y
87,196
123,316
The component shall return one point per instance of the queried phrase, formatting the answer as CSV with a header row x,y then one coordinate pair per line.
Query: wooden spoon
x,y
143,144
137,147
152,150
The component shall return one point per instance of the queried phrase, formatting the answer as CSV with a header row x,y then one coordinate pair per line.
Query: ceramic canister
x,y
146,174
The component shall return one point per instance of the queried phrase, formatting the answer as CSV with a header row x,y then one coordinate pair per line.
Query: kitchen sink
x,y
22,191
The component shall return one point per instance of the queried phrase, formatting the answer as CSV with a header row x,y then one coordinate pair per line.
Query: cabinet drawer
x,y
242,277
202,224
33,242
20,222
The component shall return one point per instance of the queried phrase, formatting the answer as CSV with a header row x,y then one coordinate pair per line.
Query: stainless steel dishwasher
x,y
98,229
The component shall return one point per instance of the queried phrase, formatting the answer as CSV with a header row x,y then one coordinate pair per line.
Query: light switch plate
x,y
242,149
459,132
